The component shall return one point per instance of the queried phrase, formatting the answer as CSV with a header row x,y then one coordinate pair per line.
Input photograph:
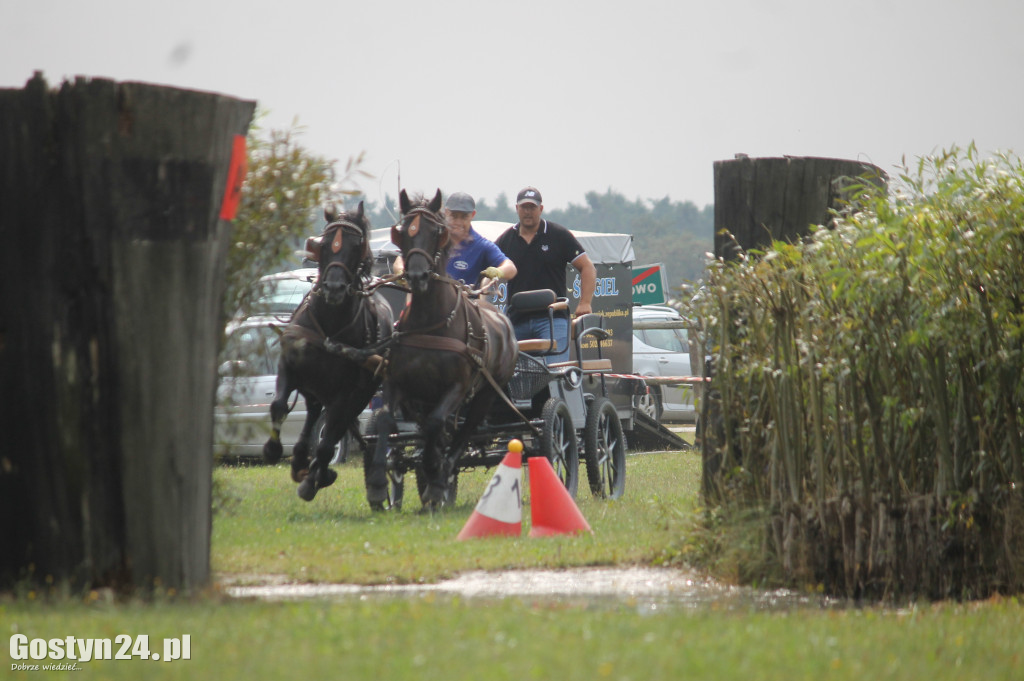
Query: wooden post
x,y
112,272
758,200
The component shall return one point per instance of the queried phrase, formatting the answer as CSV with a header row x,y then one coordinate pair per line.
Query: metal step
x,y
648,434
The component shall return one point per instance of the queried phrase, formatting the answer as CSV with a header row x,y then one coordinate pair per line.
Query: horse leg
x,y
475,412
377,475
300,452
437,465
320,473
272,448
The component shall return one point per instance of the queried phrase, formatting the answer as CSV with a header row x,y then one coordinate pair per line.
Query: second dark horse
x,y
323,349
445,347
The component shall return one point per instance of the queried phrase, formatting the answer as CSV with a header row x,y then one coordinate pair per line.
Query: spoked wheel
x,y
558,443
396,480
604,449
395,473
649,404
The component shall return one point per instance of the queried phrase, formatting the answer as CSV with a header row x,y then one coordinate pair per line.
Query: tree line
x,y
287,187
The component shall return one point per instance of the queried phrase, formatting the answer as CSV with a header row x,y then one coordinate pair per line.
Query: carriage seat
x,y
588,325
538,345
542,302
602,365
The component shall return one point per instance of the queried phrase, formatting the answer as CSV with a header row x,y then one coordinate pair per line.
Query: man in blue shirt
x,y
470,255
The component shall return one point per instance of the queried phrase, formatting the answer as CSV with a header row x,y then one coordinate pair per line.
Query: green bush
x,y
284,195
869,384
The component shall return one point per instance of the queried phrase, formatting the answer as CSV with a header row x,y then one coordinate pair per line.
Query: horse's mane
x,y
418,200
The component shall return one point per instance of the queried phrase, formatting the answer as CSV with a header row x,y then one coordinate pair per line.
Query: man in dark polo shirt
x,y
540,250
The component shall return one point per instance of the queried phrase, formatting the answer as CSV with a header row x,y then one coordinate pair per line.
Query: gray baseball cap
x,y
460,202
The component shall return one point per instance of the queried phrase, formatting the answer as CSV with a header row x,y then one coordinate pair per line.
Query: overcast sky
x,y
639,96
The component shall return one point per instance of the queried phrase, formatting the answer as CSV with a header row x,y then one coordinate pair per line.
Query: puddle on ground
x,y
642,588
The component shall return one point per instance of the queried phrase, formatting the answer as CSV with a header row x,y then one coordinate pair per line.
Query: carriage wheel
x,y
558,443
396,476
396,480
452,491
396,486
604,449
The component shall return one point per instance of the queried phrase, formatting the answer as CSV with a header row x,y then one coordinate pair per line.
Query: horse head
x,y
343,254
422,236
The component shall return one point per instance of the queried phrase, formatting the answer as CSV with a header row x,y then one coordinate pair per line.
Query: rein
x,y
447,320
421,338
356,289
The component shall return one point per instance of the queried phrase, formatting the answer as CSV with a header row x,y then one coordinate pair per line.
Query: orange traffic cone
x,y
500,510
552,510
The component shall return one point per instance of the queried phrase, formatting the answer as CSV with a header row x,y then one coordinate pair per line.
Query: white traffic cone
x,y
500,510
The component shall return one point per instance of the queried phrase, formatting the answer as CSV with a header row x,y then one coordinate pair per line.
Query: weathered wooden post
x,y
111,264
760,200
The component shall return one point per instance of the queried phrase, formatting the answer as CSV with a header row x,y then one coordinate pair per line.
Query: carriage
x,y
439,415
562,412
571,413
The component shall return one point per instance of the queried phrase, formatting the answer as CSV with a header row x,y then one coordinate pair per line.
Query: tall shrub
x,y
869,384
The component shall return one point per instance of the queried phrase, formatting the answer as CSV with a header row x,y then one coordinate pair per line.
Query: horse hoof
x,y
307,489
377,497
434,497
375,494
272,451
300,475
327,478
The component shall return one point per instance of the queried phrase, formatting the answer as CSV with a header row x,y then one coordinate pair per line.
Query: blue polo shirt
x,y
475,254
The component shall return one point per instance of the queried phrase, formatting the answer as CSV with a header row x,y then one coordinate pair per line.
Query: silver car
x,y
248,377
663,352
281,293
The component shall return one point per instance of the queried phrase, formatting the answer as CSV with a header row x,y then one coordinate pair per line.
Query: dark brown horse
x,y
321,349
448,353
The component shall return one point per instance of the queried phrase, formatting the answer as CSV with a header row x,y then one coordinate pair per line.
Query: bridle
x,y
401,230
336,231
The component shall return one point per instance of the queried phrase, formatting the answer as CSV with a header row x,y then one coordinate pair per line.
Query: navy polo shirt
x,y
540,263
475,254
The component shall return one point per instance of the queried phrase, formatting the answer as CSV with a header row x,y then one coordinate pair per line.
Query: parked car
x,y
281,293
663,352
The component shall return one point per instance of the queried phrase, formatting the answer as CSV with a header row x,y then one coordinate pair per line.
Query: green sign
x,y
649,284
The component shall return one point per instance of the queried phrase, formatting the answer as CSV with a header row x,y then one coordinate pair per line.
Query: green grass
x,y
270,531
430,637
267,529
